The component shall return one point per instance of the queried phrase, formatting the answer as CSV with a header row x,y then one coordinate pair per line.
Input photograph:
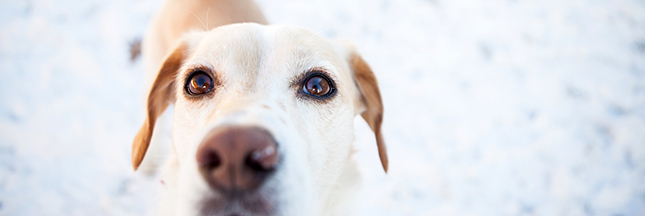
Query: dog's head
x,y
263,118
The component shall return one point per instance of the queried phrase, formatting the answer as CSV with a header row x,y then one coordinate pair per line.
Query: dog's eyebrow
x,y
186,70
297,80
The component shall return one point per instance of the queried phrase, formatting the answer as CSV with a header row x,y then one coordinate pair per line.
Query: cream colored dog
x,y
263,114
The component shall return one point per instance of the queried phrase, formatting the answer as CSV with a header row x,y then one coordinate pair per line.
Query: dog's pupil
x,y
200,84
317,86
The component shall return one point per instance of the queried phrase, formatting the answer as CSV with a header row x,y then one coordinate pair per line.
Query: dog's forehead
x,y
241,49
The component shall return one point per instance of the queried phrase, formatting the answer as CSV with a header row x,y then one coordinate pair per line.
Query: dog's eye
x,y
318,85
199,83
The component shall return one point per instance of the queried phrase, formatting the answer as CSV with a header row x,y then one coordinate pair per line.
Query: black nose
x,y
236,159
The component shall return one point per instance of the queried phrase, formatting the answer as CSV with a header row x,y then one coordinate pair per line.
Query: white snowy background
x,y
497,107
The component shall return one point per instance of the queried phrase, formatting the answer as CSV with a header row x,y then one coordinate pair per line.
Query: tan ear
x,y
371,96
161,95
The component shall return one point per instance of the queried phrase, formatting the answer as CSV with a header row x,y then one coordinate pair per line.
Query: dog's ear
x,y
371,99
160,96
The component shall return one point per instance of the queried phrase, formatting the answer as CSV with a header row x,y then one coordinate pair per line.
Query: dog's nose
x,y
236,159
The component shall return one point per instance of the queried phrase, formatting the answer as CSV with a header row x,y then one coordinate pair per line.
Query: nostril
x,y
263,160
209,160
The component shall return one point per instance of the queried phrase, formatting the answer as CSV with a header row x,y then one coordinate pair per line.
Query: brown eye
x,y
318,86
199,83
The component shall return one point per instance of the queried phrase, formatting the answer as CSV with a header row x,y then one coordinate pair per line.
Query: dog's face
x,y
263,119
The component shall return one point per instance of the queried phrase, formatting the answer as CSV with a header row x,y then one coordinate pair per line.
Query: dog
x,y
263,114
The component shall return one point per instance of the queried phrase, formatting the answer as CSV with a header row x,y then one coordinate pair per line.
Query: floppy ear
x,y
371,96
161,95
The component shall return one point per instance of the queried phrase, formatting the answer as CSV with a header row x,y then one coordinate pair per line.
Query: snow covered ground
x,y
499,107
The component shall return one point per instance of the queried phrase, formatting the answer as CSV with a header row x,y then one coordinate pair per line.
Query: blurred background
x,y
499,107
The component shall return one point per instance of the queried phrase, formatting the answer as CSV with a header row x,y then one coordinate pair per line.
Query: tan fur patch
x,y
161,95
371,96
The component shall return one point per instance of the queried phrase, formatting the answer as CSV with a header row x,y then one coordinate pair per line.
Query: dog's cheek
x,y
296,188
191,189
188,124
329,146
